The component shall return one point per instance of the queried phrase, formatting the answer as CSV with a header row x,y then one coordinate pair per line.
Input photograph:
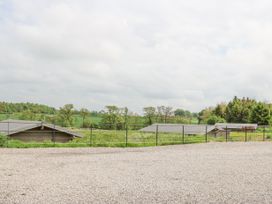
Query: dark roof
x,y
178,128
9,127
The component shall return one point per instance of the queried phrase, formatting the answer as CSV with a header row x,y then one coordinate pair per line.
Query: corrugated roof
x,y
9,127
178,128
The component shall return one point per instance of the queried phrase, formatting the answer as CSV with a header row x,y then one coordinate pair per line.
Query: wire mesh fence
x,y
39,134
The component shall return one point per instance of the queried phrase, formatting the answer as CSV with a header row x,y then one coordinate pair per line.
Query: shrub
x,y
3,140
215,119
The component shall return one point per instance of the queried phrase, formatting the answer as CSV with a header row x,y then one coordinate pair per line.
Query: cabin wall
x,y
41,135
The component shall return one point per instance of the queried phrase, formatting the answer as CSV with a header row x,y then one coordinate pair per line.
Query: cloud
x,y
188,54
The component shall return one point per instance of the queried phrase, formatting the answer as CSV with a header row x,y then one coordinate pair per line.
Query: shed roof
x,y
9,127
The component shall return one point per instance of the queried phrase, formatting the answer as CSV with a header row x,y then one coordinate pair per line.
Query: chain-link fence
x,y
40,134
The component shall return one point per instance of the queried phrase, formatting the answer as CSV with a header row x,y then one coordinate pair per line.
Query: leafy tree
x,y
220,110
215,119
66,115
112,118
164,112
204,115
261,114
149,114
27,115
239,110
84,113
183,113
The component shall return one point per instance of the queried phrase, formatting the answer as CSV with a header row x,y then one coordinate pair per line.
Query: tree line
x,y
239,110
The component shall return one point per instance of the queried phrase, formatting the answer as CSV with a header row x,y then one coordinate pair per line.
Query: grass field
x,y
117,138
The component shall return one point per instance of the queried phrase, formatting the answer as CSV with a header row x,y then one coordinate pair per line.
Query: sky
x,y
92,53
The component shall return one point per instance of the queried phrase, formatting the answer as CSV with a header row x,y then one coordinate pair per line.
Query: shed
x,y
36,131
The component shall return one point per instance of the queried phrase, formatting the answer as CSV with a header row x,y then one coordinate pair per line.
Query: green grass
x,y
117,138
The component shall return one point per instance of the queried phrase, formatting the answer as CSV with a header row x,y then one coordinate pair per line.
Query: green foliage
x,y
66,115
84,113
164,113
183,113
3,140
261,114
205,114
112,118
149,114
20,107
220,110
239,110
215,119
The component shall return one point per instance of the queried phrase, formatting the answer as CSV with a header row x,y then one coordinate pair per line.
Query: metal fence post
x,y
183,134
227,133
263,133
157,134
126,135
54,134
206,134
91,135
245,135
7,143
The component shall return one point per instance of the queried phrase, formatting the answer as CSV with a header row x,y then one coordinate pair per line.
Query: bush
x,y
3,140
215,119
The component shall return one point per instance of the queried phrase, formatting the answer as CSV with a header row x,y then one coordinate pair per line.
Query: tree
x,y
164,112
149,114
215,119
183,113
27,115
205,114
239,110
111,118
261,114
84,113
220,110
66,115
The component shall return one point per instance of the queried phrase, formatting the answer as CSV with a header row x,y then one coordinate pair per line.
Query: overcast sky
x,y
92,53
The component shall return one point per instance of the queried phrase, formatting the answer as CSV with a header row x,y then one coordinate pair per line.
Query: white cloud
x,y
189,54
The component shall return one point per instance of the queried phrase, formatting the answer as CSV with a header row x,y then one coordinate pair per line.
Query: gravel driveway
x,y
198,173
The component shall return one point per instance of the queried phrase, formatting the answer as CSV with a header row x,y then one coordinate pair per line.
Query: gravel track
x,y
198,173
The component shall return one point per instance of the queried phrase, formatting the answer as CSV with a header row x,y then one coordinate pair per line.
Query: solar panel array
x,y
179,128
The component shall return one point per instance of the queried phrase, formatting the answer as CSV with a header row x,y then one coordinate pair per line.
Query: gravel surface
x,y
198,173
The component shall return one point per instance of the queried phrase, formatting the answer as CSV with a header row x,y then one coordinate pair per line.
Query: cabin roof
x,y
10,127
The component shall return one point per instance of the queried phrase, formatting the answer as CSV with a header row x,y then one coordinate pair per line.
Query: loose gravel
x,y
198,173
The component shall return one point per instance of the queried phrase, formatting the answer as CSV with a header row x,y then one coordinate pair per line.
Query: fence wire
x,y
39,134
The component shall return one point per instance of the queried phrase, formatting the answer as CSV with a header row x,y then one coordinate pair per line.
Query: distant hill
x,y
21,107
